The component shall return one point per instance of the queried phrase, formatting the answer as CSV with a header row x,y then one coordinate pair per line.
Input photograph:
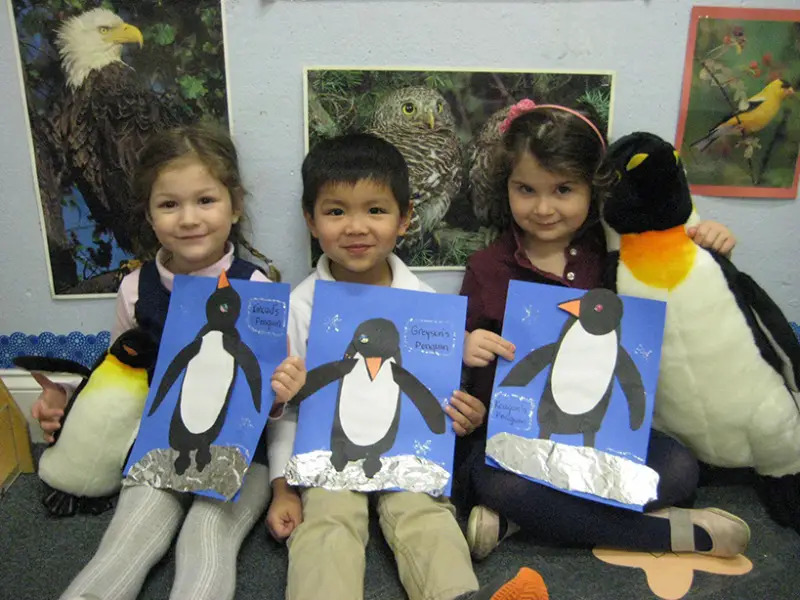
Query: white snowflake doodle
x,y
531,314
332,323
643,352
422,449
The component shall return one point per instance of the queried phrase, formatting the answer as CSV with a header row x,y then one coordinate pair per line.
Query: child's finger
x,y
44,381
457,417
472,415
727,246
459,429
503,349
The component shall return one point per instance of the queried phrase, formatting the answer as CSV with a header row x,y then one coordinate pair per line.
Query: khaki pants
x,y
326,552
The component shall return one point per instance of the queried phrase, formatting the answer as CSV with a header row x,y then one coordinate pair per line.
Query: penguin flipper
x,y
776,342
630,380
244,356
51,365
318,377
529,367
174,369
426,403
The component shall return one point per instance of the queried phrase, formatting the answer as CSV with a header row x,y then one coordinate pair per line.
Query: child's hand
x,y
481,347
285,511
713,236
466,411
49,406
288,378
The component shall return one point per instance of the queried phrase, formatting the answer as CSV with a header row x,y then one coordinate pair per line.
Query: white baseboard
x,y
25,391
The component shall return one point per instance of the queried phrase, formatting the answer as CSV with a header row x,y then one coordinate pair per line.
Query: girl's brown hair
x,y
562,143
212,146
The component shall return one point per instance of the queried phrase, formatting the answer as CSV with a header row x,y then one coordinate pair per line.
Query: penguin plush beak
x,y
129,351
223,281
573,307
373,366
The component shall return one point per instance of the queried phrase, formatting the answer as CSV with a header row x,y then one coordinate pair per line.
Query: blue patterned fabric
x,y
80,347
77,346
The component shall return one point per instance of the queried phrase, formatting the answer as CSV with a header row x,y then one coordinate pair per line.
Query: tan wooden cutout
x,y
670,574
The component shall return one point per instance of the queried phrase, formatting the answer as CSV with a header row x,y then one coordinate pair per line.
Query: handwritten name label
x,y
430,337
513,410
266,316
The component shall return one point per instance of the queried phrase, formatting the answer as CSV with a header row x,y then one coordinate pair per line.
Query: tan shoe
x,y
729,534
483,531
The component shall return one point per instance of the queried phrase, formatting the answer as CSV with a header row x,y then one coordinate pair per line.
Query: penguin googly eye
x,y
363,338
598,308
223,308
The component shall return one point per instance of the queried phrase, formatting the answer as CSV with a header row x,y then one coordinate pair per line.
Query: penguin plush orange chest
x,y
659,259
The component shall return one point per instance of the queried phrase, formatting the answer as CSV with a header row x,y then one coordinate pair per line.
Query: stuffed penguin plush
x,y
83,467
730,362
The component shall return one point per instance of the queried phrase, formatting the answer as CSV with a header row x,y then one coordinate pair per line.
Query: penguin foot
x,y
372,464
339,461
202,458
182,463
95,506
59,504
781,498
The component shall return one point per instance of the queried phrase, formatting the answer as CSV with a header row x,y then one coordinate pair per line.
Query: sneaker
x,y
729,534
485,530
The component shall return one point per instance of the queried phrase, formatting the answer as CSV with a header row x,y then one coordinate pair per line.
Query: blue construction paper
x,y
533,320
431,331
262,327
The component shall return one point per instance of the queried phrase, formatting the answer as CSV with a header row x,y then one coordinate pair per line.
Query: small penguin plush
x,y
730,363
592,329
371,378
82,468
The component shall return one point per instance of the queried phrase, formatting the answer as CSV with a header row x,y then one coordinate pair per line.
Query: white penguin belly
x,y
95,439
583,369
367,407
715,392
205,387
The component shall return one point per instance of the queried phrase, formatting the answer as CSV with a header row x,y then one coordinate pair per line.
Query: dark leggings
x,y
556,517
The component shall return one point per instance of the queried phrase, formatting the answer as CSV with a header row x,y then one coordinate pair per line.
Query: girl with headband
x,y
552,175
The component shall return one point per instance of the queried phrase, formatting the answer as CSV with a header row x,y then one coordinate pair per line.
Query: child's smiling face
x,y
357,227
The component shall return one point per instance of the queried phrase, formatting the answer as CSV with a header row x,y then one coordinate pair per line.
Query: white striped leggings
x,y
143,527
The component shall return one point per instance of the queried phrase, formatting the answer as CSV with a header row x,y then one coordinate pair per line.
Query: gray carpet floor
x,y
40,555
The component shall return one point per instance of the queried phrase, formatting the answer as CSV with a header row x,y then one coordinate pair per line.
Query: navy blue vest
x,y
151,308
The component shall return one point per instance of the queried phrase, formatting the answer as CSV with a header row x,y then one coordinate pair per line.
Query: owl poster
x,y
574,408
210,394
738,130
382,363
446,125
99,78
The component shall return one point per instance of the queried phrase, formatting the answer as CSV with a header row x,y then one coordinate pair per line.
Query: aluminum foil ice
x,y
407,472
223,474
575,468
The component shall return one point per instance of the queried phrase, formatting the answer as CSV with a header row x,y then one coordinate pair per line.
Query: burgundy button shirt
x,y
486,284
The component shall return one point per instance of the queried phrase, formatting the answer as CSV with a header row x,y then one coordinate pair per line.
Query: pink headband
x,y
526,105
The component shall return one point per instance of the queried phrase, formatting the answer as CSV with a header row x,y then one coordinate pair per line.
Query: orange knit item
x,y
526,585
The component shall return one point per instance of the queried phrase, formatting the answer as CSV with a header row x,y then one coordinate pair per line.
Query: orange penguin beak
x,y
223,281
573,307
130,351
373,366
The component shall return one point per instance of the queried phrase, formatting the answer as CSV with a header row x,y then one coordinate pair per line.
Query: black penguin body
x,y
564,409
368,401
202,405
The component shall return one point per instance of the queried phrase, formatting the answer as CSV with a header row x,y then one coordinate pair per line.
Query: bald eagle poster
x,y
210,394
99,77
573,409
382,363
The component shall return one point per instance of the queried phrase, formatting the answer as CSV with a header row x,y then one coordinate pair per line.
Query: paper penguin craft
x,y
588,349
381,364
730,367
371,378
211,383
574,413
203,402
83,467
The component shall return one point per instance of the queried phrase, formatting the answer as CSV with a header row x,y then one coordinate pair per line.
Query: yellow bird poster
x,y
738,129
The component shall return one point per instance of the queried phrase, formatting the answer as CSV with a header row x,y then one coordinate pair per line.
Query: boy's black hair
x,y
354,157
